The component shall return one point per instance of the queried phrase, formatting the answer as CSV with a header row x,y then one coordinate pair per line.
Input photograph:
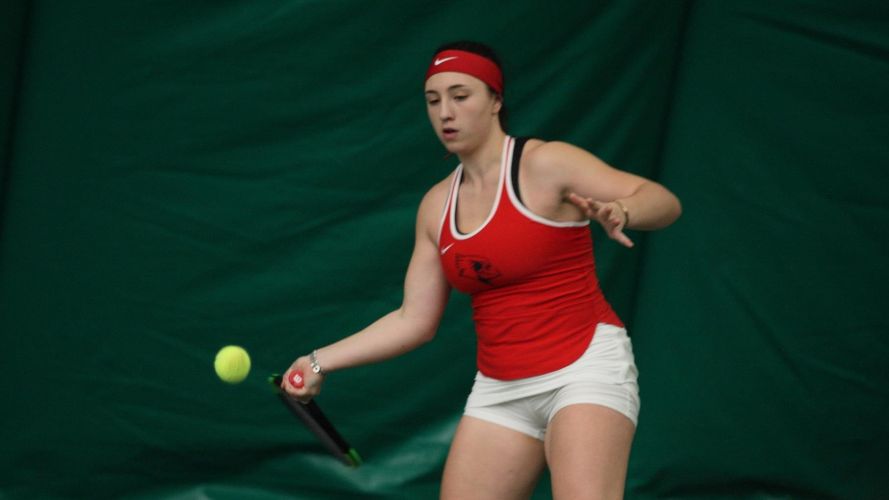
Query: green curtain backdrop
x,y
13,19
179,176
761,317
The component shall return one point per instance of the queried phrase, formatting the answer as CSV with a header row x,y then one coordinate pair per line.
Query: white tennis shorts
x,y
604,375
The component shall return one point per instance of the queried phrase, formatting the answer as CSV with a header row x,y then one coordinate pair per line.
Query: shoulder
x,y
559,166
437,194
544,156
432,206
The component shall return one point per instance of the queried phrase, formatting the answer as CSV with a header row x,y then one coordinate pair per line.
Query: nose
x,y
445,111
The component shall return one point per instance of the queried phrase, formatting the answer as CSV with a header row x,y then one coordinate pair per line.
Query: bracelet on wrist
x,y
625,211
313,362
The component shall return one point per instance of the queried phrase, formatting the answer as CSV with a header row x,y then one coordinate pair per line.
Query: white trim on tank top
x,y
505,157
505,176
531,215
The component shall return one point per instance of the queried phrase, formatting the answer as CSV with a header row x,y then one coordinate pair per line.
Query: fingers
x,y
586,205
292,383
304,394
300,381
288,387
578,200
622,238
607,214
591,208
614,226
608,217
604,212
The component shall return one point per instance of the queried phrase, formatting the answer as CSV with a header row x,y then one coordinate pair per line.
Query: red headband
x,y
469,63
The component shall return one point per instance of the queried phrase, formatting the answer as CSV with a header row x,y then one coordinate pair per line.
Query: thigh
x,y
587,449
489,461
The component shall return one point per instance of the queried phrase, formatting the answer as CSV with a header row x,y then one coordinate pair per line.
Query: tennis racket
x,y
313,418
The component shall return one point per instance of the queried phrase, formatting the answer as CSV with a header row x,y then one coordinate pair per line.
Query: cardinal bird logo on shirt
x,y
477,268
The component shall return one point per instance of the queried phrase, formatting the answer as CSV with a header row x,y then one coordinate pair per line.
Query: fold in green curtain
x,y
13,16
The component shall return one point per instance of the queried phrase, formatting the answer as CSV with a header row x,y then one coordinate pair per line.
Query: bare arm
x,y
402,330
601,192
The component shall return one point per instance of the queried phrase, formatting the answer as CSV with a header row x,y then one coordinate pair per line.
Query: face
x,y
462,110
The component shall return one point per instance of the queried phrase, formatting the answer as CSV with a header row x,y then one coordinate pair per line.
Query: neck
x,y
484,160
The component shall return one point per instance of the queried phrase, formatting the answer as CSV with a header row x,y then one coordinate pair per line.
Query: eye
x,y
460,97
431,102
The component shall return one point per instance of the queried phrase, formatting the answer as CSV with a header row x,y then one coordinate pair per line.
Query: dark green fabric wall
x,y
13,19
184,175
761,327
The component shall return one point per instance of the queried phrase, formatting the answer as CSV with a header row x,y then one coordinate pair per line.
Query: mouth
x,y
449,133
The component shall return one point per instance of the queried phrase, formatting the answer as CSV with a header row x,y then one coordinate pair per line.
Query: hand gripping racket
x,y
314,419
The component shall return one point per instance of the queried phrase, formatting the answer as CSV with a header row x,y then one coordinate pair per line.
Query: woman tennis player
x,y
556,383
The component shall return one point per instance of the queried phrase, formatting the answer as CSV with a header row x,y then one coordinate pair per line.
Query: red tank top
x,y
536,300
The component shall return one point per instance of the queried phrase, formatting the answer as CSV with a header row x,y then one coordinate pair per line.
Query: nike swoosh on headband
x,y
443,60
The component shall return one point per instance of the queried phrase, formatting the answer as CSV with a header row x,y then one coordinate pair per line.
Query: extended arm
x,y
404,329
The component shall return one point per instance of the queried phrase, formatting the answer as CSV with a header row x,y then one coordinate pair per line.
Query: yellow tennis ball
x,y
232,364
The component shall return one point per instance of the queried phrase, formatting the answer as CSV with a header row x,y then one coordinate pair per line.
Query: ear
x,y
498,103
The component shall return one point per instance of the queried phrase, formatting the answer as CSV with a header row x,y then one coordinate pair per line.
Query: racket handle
x,y
296,379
